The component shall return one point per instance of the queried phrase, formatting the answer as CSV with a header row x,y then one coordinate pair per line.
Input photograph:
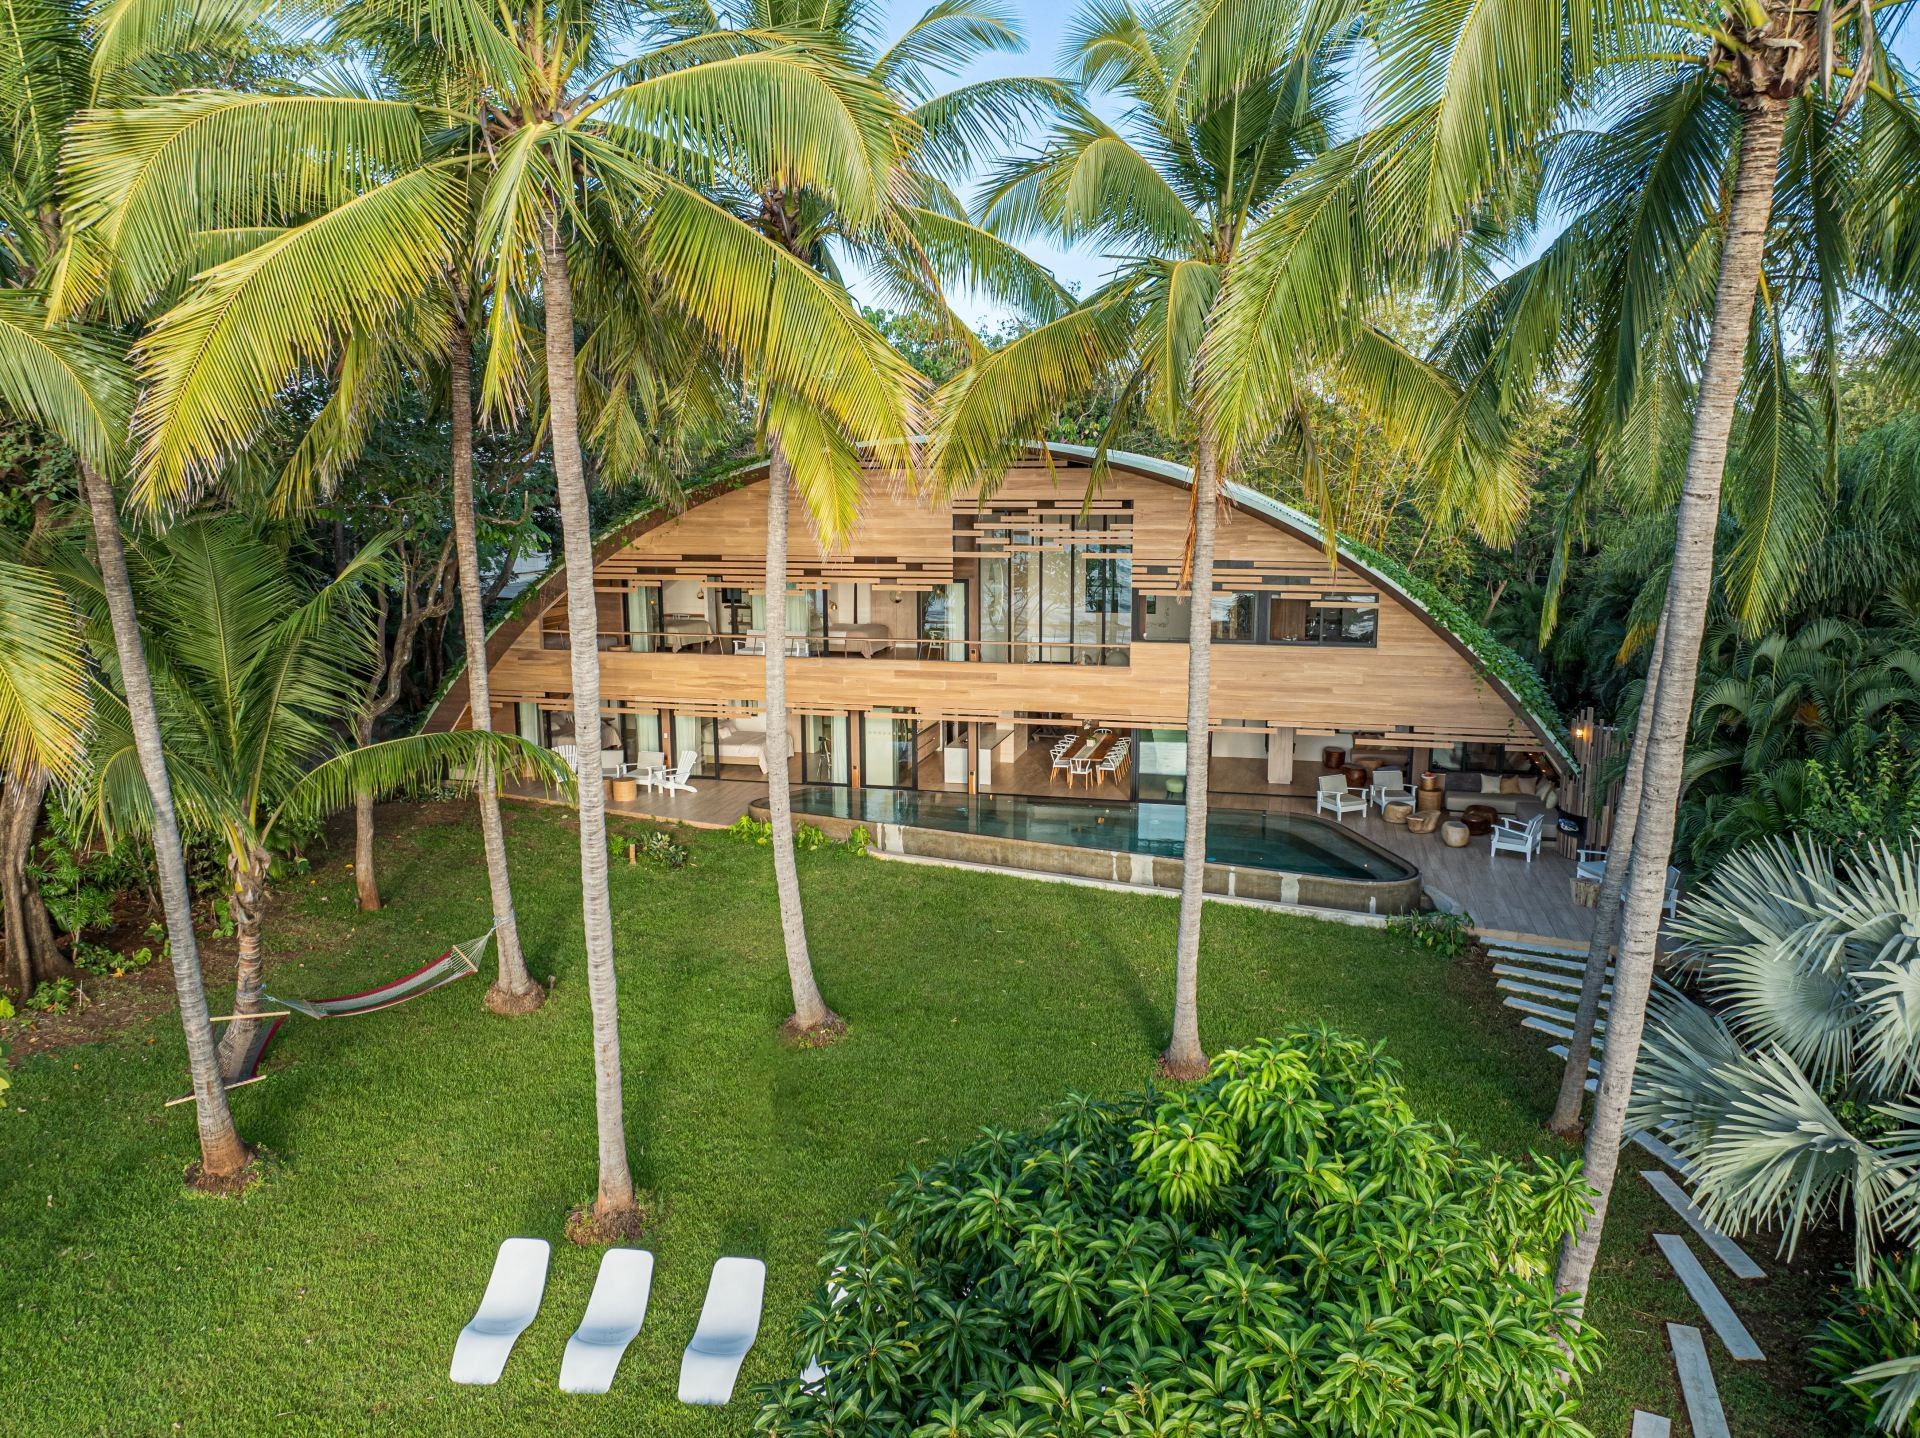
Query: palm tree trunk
x,y
812,1022
32,951
1184,1058
222,1154
1688,590
246,897
1565,1119
513,991
366,884
615,1199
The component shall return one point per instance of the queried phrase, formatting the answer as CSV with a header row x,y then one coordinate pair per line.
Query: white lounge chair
x,y
612,1321
729,1321
1516,837
510,1303
1390,787
674,780
1335,798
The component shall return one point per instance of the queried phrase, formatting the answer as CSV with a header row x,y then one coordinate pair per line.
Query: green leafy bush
x,y
653,846
1438,932
56,996
6,1007
1284,1248
751,830
1865,1351
1869,794
808,837
858,840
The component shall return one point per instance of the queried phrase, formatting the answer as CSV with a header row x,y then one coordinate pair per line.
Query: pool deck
x,y
1505,893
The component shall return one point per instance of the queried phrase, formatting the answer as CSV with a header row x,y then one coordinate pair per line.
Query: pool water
x,y
1249,838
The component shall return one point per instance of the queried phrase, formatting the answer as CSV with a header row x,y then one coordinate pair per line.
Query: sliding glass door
x,y
824,755
886,750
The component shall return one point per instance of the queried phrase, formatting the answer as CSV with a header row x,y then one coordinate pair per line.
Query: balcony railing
x,y
858,646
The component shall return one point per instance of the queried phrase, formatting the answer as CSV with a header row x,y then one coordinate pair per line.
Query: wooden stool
x,y
1397,813
1586,892
625,791
1423,823
1455,834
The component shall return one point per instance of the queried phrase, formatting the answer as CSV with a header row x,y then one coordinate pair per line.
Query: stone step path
x,y
1651,1425
1701,1288
1704,1414
1665,1152
1722,1247
1528,990
1556,978
1561,1052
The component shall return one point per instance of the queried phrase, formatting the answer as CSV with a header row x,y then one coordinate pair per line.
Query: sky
x,y
1045,23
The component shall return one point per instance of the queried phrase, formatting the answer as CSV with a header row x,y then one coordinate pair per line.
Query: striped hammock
x,y
455,964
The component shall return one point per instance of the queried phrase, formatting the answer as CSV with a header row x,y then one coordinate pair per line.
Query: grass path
x,y
406,1144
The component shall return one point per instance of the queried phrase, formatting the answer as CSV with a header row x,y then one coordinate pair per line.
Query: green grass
x,y
407,1144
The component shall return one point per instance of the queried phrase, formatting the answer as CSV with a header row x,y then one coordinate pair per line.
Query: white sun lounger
x,y
728,1322
508,1306
612,1321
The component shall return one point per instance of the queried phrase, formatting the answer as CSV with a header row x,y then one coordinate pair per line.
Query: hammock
x,y
455,964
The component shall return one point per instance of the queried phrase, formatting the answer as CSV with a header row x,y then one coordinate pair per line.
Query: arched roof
x,y
1510,675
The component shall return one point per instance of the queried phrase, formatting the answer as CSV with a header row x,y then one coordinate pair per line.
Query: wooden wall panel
x,y
1415,686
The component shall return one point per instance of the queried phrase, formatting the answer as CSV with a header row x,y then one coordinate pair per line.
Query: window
x,y
886,751
1161,619
1301,621
643,618
943,619
1233,616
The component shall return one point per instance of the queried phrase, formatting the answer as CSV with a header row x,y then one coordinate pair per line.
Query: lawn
x,y
405,1145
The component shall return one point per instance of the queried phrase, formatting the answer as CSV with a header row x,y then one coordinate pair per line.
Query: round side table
x,y
1455,834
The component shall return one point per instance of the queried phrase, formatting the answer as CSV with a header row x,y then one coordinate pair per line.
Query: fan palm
x,y
1791,1097
566,149
1224,110
256,673
73,383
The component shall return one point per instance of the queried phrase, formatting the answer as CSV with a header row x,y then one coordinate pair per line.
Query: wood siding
x,y
1416,686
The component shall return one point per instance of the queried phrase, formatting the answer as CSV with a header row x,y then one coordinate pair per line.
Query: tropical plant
x,y
72,384
1285,1246
1711,112
257,671
1791,1098
1867,1349
1224,107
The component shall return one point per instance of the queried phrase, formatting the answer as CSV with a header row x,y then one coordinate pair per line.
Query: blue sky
x,y
1045,24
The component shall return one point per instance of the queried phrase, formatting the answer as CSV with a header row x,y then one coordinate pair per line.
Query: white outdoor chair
x,y
1516,837
674,780
1335,798
1390,787
1078,768
729,1322
570,756
1591,865
511,1302
612,1321
749,646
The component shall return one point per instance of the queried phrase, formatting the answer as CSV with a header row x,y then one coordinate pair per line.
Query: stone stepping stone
x,y
1559,1051
1704,1414
1533,991
1726,1323
1542,961
1650,1425
1553,1030
1723,1247
1665,1152
1544,976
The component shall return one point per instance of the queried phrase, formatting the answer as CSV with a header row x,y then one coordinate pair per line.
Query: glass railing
x,y
857,646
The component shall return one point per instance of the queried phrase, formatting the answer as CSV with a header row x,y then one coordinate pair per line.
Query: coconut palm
x,y
1224,110
1651,288
73,383
568,148
914,242
256,673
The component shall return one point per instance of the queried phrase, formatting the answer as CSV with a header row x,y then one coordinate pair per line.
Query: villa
x,y
1014,666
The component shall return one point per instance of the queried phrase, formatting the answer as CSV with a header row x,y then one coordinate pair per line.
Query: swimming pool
x,y
1295,844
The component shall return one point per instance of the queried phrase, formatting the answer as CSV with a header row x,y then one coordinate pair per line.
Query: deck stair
x,y
1541,982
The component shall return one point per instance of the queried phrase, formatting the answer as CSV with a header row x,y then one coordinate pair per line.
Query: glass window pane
x,y
1233,618
1163,619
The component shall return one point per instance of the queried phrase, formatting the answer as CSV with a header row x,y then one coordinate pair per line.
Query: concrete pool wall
x,y
1144,871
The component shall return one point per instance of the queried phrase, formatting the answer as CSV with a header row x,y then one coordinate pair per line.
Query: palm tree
x,y
1221,118
73,383
567,150
1481,129
256,673
915,239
